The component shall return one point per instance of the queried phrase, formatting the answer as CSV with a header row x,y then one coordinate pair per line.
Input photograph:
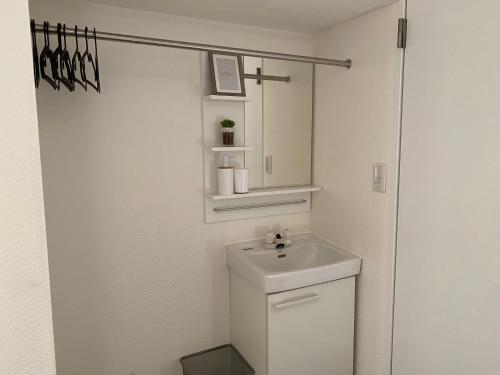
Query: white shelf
x,y
232,148
227,98
268,192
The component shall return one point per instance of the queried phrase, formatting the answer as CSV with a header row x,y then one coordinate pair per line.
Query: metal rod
x,y
264,77
158,42
259,205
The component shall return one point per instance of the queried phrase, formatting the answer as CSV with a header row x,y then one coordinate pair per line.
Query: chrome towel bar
x,y
259,205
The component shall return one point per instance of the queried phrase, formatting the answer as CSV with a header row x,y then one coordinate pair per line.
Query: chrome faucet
x,y
278,240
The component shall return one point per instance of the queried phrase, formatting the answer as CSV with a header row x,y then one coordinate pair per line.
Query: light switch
x,y
379,177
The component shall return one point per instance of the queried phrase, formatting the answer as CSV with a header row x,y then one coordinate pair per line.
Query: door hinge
x,y
402,32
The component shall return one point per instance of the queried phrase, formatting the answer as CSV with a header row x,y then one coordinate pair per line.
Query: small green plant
x,y
227,123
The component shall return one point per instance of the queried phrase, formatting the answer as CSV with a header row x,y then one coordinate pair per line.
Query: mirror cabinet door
x,y
278,123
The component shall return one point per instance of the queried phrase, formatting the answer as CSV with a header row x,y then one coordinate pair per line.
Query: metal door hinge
x,y
402,32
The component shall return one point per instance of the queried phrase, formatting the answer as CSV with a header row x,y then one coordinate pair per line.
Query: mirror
x,y
278,122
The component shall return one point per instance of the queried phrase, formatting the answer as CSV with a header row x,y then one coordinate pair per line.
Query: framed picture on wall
x,y
226,72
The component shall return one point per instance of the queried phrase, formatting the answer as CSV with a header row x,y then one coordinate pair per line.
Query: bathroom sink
x,y
308,261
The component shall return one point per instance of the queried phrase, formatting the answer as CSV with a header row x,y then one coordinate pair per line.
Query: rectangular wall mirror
x,y
278,123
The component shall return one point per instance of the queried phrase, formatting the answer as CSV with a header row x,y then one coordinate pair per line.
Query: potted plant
x,y
227,132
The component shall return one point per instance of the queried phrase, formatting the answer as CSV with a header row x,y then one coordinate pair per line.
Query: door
x,y
311,330
447,312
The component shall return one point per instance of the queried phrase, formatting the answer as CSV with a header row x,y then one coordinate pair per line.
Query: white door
x,y
311,330
447,316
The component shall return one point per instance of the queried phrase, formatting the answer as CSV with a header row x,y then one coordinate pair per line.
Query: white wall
x,y
356,126
26,340
138,279
448,279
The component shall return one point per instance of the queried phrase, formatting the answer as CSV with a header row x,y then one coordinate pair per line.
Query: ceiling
x,y
305,16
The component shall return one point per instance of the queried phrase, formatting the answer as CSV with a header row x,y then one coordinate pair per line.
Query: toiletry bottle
x,y
241,180
226,177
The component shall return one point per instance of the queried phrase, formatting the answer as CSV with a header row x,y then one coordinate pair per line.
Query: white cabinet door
x,y
311,330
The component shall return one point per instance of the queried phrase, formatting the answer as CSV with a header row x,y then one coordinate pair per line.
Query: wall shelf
x,y
227,98
232,148
269,192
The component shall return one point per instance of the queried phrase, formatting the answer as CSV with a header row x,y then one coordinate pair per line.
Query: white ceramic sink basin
x,y
308,261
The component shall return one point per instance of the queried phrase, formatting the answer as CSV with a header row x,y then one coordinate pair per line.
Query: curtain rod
x,y
157,42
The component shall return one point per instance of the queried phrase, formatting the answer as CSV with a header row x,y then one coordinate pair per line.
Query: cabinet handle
x,y
269,164
296,301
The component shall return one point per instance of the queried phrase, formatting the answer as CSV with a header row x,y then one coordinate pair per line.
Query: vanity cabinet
x,y
303,331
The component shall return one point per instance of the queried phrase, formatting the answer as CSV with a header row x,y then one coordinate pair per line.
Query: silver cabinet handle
x,y
296,301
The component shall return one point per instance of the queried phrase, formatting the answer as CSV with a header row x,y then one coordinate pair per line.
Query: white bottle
x,y
241,180
226,177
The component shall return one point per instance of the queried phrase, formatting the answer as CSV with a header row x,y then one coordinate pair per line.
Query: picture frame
x,y
226,73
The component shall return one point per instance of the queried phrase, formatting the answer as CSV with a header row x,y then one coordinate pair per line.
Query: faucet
x,y
278,240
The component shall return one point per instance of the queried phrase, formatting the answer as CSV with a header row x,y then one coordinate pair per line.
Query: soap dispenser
x,y
226,177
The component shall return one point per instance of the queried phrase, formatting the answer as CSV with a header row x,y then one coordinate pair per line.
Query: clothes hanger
x,y
36,64
45,57
54,57
77,58
96,71
57,62
66,65
95,65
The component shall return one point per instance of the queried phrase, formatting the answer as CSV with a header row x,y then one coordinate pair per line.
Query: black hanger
x,y
36,65
95,65
66,65
45,57
96,71
57,62
77,58
54,61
